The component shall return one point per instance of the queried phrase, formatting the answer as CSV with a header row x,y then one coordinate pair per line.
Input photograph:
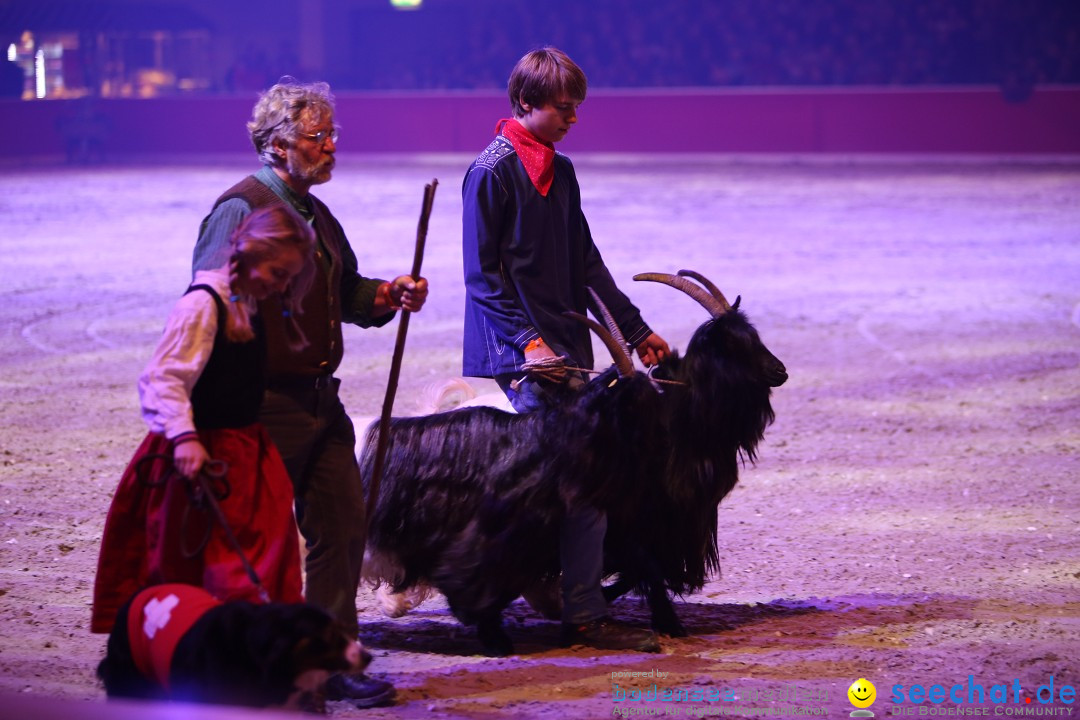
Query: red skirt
x,y
152,535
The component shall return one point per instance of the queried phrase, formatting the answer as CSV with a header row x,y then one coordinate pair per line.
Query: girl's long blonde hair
x,y
260,236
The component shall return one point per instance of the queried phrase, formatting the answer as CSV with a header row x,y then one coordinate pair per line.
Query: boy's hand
x,y
538,350
548,366
653,350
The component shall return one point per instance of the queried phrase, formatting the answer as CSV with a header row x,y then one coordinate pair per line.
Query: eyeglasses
x,y
322,136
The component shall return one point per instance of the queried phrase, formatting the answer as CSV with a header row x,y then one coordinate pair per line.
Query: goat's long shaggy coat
x,y
471,500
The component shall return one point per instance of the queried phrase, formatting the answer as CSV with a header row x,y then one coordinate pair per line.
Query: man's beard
x,y
309,173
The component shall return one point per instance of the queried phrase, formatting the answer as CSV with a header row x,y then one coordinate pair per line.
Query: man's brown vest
x,y
321,317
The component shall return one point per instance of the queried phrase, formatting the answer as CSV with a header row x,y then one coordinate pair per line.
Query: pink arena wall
x,y
819,120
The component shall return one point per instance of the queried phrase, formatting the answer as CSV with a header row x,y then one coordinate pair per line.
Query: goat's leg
x,y
645,577
664,619
492,635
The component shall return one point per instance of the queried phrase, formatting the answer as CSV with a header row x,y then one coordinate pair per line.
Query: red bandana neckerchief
x,y
537,156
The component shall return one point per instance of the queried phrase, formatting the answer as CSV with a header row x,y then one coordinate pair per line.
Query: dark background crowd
x,y
694,43
146,48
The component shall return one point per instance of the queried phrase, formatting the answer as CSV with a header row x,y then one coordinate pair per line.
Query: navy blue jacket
x,y
528,258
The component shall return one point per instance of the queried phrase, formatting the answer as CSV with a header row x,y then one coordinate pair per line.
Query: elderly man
x,y
292,128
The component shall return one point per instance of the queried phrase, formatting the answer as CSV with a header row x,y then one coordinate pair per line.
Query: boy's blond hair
x,y
544,76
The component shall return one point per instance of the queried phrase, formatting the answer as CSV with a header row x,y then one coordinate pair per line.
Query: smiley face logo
x,y
862,693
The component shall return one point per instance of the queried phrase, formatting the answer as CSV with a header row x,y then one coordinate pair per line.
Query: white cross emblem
x,y
157,613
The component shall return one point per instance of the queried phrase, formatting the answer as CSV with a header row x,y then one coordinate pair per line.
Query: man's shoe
x,y
607,634
359,689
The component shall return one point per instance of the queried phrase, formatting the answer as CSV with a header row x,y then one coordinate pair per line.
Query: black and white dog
x,y
176,642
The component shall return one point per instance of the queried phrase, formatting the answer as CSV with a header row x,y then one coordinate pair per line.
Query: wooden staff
x,y
399,351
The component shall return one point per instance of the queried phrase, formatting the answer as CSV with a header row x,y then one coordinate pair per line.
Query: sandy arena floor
x,y
915,514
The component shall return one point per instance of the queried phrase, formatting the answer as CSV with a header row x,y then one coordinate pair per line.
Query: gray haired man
x,y
293,130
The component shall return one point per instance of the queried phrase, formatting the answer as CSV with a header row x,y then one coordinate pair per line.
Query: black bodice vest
x,y
229,391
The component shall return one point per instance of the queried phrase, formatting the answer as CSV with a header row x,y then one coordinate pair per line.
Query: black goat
x,y
471,500
715,409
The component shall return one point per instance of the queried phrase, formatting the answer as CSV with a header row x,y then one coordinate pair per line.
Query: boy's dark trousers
x,y
581,537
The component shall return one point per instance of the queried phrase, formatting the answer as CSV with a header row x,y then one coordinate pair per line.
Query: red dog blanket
x,y
159,617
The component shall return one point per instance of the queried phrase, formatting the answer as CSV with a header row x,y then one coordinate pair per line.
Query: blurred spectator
x,y
85,130
250,72
12,79
644,43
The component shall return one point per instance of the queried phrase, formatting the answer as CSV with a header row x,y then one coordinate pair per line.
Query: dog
x,y
177,642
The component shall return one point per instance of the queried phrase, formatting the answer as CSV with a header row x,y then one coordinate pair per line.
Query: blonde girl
x,y
200,395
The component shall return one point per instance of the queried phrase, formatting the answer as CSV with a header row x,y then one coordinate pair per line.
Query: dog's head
x,y
302,646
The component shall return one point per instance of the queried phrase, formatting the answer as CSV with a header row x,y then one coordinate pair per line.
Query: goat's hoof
x,y
495,641
397,604
677,631
500,651
497,647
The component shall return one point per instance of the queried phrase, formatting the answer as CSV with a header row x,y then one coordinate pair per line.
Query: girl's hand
x,y
189,457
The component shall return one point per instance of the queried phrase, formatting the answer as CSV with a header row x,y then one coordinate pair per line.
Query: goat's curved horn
x,y
707,301
708,284
610,322
622,361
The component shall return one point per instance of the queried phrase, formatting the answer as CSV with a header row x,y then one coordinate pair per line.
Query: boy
x,y
529,256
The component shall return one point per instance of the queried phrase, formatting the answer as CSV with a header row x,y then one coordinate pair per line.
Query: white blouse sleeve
x,y
184,349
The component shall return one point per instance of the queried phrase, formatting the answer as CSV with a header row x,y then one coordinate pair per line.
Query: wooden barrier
x,y
757,120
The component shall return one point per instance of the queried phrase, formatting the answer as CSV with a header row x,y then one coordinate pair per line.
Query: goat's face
x,y
727,377
731,338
